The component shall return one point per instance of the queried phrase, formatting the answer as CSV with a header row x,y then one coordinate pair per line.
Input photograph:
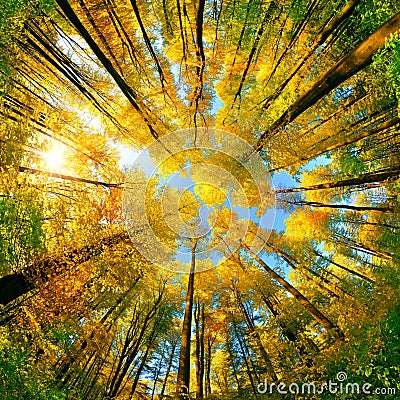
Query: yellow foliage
x,y
304,223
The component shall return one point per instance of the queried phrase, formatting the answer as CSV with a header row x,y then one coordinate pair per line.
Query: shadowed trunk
x,y
373,177
183,379
15,285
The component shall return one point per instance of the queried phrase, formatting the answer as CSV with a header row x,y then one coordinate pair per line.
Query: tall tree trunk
x,y
207,376
362,276
245,360
122,84
71,358
299,341
380,128
68,178
252,52
12,286
133,340
319,317
15,285
183,378
157,375
199,322
332,290
139,371
352,244
148,43
169,367
228,346
256,336
350,64
338,206
379,176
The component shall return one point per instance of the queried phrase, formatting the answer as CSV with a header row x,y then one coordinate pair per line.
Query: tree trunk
x,y
331,289
228,346
379,176
125,88
65,364
208,367
338,206
167,373
15,285
344,268
319,317
299,341
133,340
256,336
148,43
297,31
246,362
199,322
68,178
139,371
157,375
183,378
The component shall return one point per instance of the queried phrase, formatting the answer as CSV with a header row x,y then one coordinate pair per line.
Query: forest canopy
x,y
199,199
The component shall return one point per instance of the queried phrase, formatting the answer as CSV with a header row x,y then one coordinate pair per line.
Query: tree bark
x,y
343,267
15,286
133,341
69,178
125,88
255,335
183,378
148,43
167,373
372,177
199,322
246,362
338,206
318,316
208,366
331,289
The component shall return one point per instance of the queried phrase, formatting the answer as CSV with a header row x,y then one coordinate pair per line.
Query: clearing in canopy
x,y
199,199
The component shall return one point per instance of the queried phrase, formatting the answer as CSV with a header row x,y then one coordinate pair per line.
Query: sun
x,y
54,158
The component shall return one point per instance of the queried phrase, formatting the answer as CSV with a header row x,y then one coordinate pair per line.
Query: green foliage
x,y
13,15
373,358
350,164
388,60
376,12
20,377
21,233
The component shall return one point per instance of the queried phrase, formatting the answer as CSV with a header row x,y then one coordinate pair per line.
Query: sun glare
x,y
54,158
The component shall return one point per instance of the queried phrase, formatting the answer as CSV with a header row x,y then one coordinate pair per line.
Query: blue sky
x,y
281,179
